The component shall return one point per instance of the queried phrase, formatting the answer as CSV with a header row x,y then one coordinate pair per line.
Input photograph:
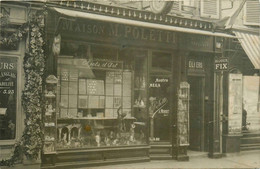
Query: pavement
x,y
249,159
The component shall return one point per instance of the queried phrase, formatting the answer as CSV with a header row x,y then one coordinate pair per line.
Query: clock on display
x,y
161,7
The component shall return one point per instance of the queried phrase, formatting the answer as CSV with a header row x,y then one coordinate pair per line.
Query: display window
x,y
97,106
8,93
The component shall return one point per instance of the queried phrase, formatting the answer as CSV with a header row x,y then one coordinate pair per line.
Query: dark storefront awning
x,y
78,14
251,45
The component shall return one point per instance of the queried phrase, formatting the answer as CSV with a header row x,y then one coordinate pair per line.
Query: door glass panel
x,y
159,109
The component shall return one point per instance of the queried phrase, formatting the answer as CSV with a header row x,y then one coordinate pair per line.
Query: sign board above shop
x,y
196,65
221,64
195,42
90,63
105,31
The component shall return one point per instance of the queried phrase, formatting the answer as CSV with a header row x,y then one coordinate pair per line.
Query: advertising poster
x,y
235,103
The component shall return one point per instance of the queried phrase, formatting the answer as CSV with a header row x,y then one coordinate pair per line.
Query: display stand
x,y
49,121
183,122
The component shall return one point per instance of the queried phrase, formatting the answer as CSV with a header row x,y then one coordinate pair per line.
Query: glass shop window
x,y
8,93
96,100
161,62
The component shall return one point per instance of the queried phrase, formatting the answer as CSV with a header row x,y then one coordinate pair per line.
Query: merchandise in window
x,y
96,103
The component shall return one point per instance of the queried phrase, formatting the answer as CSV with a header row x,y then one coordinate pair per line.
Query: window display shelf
x,y
50,96
97,118
95,105
47,124
139,106
49,116
139,89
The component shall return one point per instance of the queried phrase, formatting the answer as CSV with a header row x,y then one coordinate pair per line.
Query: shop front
x,y
122,92
113,95
11,79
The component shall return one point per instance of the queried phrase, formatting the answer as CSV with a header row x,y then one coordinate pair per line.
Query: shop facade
x,y
123,85
120,87
11,79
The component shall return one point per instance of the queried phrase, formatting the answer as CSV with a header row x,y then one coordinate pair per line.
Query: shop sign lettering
x,y
195,64
90,64
196,42
164,112
221,64
158,81
8,79
119,31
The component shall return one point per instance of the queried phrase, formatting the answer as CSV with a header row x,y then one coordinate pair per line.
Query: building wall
x,y
16,16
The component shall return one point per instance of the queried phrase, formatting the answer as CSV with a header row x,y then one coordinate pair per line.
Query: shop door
x,y
159,108
196,113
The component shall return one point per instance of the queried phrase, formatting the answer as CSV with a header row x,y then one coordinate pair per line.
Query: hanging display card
x,y
110,77
118,77
73,75
101,102
83,101
95,87
64,101
117,102
73,87
235,103
127,77
72,113
73,101
64,74
126,102
82,86
109,112
117,89
63,113
126,89
109,102
64,87
91,87
100,87
93,102
109,89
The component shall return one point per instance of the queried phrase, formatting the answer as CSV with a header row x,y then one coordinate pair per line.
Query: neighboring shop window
x,y
251,97
8,93
96,101
5,47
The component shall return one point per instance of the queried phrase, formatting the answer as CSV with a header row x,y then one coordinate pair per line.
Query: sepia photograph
x,y
129,84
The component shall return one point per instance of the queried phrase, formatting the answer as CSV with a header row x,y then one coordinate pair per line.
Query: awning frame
x,y
85,15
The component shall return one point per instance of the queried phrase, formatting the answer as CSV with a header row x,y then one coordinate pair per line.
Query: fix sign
x,y
221,63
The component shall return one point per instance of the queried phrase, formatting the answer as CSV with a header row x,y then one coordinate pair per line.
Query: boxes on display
x,y
183,114
49,117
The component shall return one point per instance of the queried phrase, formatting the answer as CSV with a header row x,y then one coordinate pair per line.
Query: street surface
x,y
243,160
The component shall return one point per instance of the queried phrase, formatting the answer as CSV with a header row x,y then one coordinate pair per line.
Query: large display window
x,y
102,97
8,93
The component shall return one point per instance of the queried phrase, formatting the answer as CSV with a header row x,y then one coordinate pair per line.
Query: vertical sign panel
x,y
235,103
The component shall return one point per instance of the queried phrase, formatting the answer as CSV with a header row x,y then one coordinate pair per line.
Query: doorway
x,y
196,113
159,107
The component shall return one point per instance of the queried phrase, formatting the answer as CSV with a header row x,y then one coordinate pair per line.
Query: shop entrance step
x,y
250,141
160,151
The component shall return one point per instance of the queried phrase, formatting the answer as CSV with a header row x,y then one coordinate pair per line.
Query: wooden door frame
x,y
203,123
162,74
